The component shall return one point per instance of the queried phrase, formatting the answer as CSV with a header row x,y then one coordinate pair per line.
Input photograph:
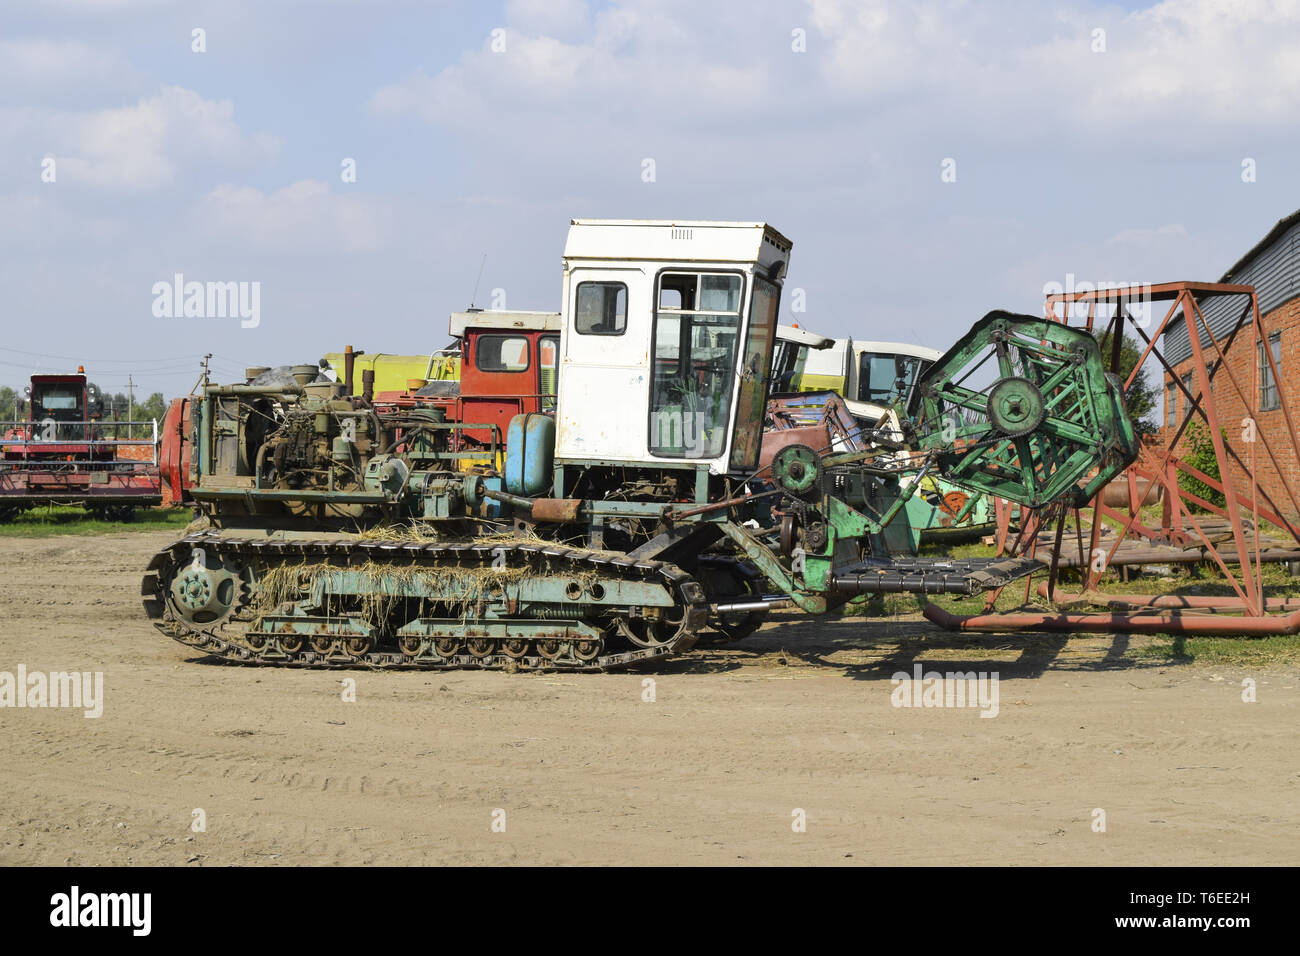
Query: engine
x,y
311,450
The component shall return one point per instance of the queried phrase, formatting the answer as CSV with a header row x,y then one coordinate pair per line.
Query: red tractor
x,y
64,452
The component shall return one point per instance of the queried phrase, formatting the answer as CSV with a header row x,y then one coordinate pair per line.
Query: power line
x,y
93,371
82,359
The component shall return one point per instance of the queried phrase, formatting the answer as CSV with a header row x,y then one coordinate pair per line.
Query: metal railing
x,y
26,438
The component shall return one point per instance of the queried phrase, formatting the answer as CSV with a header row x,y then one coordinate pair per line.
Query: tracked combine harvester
x,y
636,519
66,453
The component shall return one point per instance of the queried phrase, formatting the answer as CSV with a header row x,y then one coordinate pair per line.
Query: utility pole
x,y
130,404
203,375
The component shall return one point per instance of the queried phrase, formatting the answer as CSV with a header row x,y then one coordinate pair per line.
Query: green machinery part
x,y
1048,417
798,470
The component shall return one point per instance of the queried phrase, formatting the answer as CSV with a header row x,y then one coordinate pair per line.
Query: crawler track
x,y
233,640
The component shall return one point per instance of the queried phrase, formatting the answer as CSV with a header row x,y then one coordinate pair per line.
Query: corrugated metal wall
x,y
1275,274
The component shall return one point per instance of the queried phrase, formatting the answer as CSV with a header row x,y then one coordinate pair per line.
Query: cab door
x,y
498,372
604,364
755,372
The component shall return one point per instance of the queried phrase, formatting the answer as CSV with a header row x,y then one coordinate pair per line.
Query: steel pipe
x,y
751,606
1193,555
224,390
1168,622
1226,601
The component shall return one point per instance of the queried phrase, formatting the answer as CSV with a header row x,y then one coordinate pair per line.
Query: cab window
x,y
696,331
601,308
502,353
548,352
57,399
884,378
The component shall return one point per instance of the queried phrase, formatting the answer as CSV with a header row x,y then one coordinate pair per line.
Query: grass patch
x,y
1191,579
50,521
1254,651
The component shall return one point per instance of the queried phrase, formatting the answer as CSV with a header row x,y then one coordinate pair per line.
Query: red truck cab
x,y
509,364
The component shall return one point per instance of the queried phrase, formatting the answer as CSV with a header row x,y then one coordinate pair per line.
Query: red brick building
x,y
1273,268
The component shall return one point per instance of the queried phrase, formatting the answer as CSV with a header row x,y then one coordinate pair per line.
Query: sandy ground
x,y
586,771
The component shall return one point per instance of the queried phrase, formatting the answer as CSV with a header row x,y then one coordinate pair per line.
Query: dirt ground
x,y
797,717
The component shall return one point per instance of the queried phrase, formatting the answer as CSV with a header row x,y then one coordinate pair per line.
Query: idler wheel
x,y
1016,407
587,651
789,534
645,633
357,646
323,644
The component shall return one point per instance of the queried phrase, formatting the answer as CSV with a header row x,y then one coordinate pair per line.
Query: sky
x,y
931,161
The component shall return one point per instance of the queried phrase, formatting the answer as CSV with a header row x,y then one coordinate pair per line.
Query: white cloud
x,y
35,219
635,62
1147,237
137,148
304,217
555,18
1010,65
91,7
62,72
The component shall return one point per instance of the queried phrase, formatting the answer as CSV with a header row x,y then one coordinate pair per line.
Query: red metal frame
x,y
1159,464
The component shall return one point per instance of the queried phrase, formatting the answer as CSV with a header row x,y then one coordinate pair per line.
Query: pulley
x,y
797,470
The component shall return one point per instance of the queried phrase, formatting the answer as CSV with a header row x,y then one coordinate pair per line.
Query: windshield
x,y
697,322
886,377
57,399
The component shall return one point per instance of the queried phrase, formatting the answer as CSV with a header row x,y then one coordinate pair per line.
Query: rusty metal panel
x,y
1274,271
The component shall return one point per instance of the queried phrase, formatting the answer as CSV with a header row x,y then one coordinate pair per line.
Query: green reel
x,y
1050,422
797,470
